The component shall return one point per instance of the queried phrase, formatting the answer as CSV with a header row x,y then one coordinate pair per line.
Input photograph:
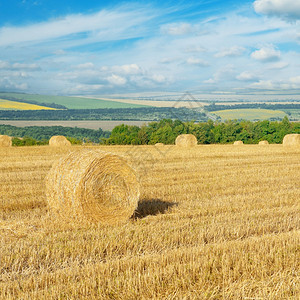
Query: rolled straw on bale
x,y
186,140
59,141
262,143
291,140
237,143
5,141
93,185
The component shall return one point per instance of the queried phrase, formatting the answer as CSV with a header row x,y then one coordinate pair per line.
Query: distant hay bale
x,y
159,144
262,143
238,143
59,141
291,140
92,185
5,141
186,140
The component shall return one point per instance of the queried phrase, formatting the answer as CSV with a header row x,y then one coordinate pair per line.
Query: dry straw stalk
x,y
5,141
186,140
59,141
291,140
94,186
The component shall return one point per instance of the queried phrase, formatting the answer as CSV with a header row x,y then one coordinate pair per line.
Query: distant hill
x,y
67,102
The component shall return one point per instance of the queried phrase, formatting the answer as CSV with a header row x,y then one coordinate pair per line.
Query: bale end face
x,y
59,141
5,141
291,140
94,186
186,140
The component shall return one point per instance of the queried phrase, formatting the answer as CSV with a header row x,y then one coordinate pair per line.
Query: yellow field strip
x,y
14,105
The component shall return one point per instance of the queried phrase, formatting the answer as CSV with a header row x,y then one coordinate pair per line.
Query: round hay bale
x,y
262,143
291,140
186,140
59,141
5,141
238,143
92,185
159,144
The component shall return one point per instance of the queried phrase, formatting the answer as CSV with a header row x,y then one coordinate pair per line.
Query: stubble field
x,y
213,222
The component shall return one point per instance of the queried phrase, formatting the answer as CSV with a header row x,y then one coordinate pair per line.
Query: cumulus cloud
x,y
263,85
127,69
286,9
159,78
197,62
4,64
19,66
266,54
6,84
233,51
116,80
246,76
88,65
177,29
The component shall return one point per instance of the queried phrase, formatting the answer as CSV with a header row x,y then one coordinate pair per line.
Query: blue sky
x,y
104,47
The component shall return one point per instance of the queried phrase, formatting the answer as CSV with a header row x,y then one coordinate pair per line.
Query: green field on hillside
x,y
249,114
70,102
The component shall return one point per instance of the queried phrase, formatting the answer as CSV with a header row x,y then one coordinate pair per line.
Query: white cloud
x,y
4,64
266,54
22,66
233,51
246,76
116,80
177,29
7,84
287,9
127,69
263,85
159,78
88,65
197,61
103,25
278,65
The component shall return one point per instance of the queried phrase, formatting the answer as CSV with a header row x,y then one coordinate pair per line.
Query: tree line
x,y
124,114
209,132
277,106
164,131
40,135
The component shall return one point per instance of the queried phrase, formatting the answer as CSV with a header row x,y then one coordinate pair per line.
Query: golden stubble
x,y
213,222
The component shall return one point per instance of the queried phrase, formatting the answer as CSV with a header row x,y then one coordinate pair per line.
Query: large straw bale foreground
x,y
238,143
291,140
186,140
94,186
5,141
59,141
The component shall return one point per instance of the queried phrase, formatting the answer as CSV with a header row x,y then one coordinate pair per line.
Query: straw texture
x,y
186,140
237,143
59,141
5,141
94,186
291,140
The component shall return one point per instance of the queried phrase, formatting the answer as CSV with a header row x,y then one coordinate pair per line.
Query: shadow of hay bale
x,y
152,207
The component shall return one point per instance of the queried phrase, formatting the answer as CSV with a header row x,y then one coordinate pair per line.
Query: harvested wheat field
x,y
213,222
